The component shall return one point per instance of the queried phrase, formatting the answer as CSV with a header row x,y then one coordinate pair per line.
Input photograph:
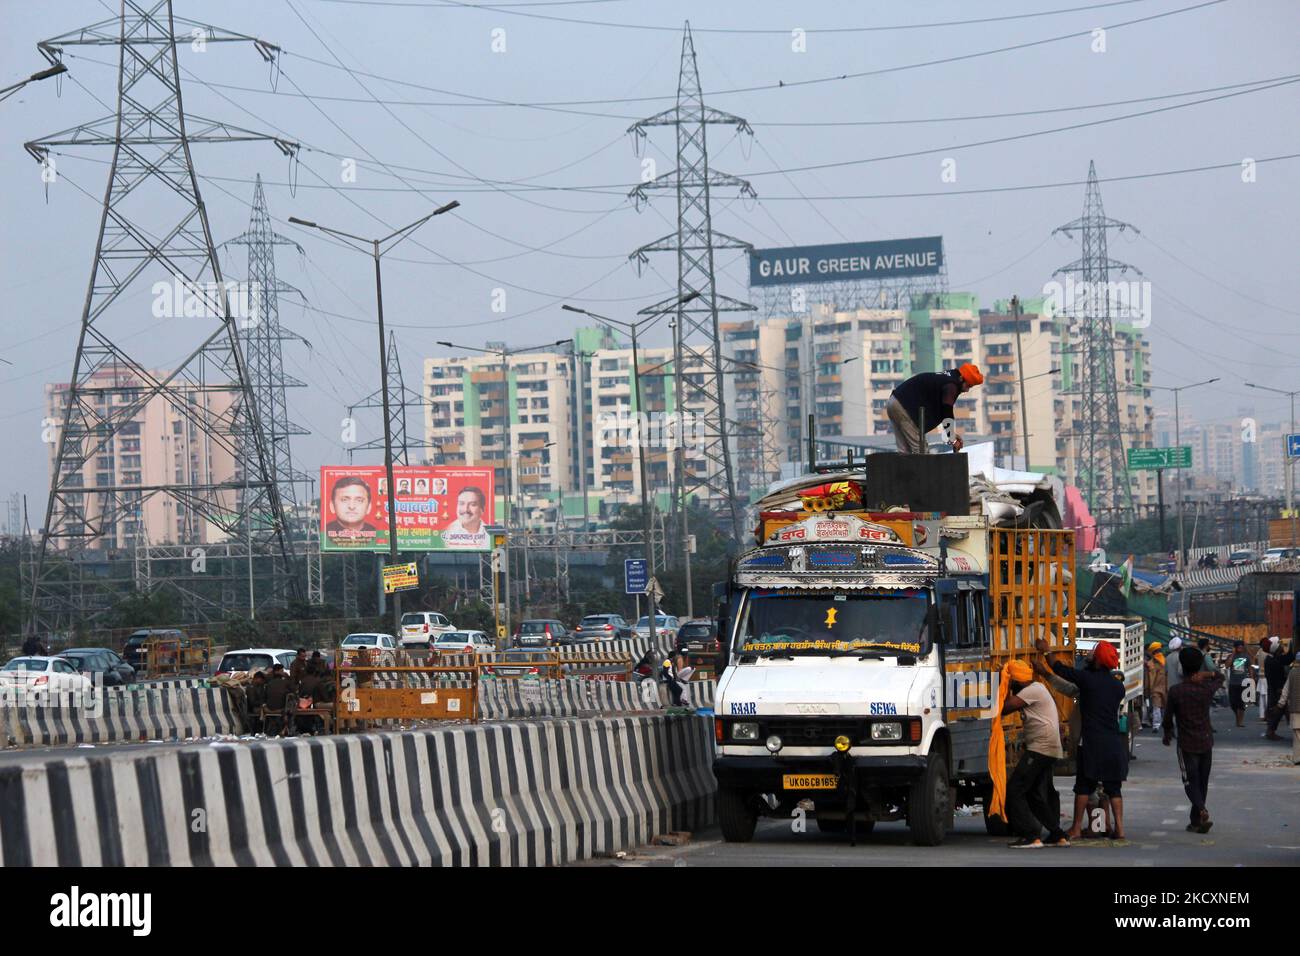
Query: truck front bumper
x,y
766,774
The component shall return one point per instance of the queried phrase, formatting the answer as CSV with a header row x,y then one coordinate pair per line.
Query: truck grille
x,y
796,732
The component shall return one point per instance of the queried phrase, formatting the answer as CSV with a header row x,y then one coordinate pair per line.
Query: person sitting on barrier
x,y
675,673
298,667
277,700
255,695
310,693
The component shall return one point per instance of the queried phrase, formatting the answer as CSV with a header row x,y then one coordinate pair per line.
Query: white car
x,y
44,674
665,627
421,628
383,648
1278,555
464,642
254,659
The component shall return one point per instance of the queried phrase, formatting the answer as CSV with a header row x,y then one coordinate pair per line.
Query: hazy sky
x,y
1218,251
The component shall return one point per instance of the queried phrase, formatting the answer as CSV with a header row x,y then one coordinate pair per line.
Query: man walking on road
x,y
1238,671
1290,701
1189,716
1157,684
1275,667
923,402
1030,808
1173,669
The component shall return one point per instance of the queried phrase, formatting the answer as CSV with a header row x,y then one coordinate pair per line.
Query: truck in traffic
x,y
862,653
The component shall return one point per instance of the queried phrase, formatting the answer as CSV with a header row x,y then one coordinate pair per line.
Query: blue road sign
x,y
1293,446
636,576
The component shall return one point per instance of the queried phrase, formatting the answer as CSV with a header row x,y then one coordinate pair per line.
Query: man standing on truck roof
x,y
923,402
1189,714
1029,806
1103,753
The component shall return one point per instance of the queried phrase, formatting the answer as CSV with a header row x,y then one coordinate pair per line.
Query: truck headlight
x,y
889,731
744,730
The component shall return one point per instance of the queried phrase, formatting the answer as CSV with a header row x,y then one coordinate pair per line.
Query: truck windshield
x,y
809,623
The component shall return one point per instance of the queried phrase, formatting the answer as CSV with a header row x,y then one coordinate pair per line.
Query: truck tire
x,y
929,805
1134,726
735,816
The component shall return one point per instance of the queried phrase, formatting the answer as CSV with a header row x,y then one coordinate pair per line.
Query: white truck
x,y
862,656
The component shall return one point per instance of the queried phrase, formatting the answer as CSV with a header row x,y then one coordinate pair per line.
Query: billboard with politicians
x,y
438,508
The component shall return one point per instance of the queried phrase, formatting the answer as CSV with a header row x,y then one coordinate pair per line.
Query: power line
x,y
781,85
732,31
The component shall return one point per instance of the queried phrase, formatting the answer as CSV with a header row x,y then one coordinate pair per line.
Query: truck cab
x,y
861,673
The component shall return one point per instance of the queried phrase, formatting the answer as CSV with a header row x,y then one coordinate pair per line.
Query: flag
x,y
1126,577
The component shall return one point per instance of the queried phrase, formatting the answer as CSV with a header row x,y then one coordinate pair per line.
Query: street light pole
x,y
507,436
1289,462
1182,558
377,251
647,523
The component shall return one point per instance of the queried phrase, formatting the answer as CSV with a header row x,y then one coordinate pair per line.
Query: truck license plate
x,y
809,781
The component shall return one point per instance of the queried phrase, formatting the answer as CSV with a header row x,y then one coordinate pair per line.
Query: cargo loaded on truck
x,y
862,653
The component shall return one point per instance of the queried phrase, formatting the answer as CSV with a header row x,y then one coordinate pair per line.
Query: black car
x,y
134,649
100,660
542,632
699,633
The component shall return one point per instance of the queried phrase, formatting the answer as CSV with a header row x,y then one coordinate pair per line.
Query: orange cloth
x,y
971,375
1106,655
1021,672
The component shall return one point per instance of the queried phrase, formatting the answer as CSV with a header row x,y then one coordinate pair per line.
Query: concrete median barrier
x,y
500,794
113,715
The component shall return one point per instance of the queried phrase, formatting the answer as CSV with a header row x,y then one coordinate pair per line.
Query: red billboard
x,y
439,508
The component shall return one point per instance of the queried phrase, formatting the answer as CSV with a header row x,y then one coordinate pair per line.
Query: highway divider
x,y
113,715
508,794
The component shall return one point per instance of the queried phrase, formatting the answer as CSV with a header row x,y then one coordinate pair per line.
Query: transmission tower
x,y
262,339
400,398
697,352
1101,469
153,226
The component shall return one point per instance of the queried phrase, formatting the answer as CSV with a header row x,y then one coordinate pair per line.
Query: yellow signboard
x,y
400,577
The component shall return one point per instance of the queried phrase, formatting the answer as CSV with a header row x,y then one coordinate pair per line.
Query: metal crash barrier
x,y
177,656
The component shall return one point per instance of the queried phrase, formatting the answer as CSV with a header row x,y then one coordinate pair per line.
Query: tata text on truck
x,y
862,658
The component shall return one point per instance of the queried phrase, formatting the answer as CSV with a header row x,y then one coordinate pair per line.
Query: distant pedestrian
x,y
1275,675
1157,682
1290,700
1103,751
1188,716
1029,809
1207,662
1238,671
32,647
298,667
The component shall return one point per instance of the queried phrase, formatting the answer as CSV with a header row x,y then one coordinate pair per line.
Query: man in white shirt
x,y
1030,789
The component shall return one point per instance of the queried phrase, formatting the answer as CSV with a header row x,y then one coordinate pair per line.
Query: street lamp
x,y
1290,462
505,353
1176,389
55,70
635,328
378,250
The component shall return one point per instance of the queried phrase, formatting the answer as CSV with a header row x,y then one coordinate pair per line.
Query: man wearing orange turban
x,y
1029,804
924,402
1103,751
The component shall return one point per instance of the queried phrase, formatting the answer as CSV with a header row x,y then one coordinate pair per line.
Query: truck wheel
x,y
929,805
1134,725
736,817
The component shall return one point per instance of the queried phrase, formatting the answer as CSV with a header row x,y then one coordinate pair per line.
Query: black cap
x,y
277,666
